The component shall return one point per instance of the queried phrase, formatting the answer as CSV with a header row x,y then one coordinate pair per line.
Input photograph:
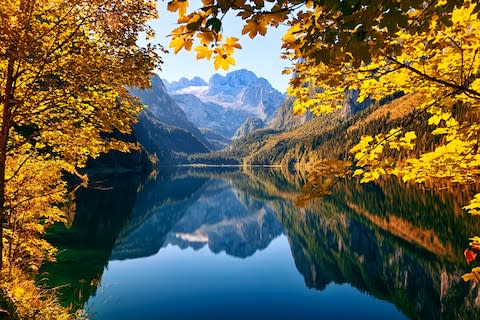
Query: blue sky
x,y
260,55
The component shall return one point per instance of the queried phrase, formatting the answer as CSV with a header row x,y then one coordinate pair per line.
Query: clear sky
x,y
260,55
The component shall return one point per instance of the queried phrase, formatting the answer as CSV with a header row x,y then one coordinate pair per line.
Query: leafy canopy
x,y
378,48
66,66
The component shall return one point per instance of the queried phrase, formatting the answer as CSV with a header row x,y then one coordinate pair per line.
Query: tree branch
x,y
460,88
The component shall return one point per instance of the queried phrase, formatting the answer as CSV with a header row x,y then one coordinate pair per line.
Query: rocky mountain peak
x,y
248,126
233,82
228,100
182,83
163,112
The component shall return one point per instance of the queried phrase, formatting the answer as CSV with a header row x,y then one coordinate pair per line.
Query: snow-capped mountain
x,y
211,115
233,98
184,83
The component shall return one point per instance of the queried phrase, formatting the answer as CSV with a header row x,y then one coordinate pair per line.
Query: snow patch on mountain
x,y
195,90
237,90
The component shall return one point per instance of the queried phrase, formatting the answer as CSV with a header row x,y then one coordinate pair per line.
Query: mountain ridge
x,y
225,102
161,105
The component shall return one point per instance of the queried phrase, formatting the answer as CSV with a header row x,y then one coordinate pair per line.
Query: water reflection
x,y
398,244
224,222
85,248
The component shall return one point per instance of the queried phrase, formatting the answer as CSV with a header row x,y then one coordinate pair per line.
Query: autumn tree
x,y
65,67
380,48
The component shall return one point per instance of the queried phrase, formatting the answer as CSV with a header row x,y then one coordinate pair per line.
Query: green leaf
x,y
215,24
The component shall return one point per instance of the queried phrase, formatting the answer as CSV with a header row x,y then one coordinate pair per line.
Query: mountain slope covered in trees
x,y
328,137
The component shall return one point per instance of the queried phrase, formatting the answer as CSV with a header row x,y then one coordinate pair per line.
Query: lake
x,y
233,243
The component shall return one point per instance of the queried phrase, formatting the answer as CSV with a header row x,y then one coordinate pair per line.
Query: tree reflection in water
x,y
398,243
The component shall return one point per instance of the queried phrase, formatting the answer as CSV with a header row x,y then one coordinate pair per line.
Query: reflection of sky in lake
x,y
188,284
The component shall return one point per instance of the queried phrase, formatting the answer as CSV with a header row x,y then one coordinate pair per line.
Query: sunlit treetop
x,y
66,67
324,31
65,70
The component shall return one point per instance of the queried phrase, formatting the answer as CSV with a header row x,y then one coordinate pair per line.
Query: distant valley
x,y
240,118
187,117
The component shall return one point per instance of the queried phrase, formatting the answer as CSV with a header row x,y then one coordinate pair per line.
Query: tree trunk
x,y
8,103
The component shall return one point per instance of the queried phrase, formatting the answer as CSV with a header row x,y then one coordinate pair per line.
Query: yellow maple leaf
x,y
178,5
473,276
474,206
291,35
223,61
188,44
179,42
231,43
203,52
206,37
255,26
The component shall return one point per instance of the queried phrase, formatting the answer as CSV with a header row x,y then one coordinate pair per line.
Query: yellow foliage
x,y
231,43
66,66
203,52
32,302
178,44
472,276
254,27
474,240
223,61
180,6
474,208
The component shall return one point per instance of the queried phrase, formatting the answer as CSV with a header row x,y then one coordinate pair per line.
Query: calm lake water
x,y
233,244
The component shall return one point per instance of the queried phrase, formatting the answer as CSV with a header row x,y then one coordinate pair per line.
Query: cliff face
x,y
161,105
163,109
248,126
210,115
243,90
165,141
284,119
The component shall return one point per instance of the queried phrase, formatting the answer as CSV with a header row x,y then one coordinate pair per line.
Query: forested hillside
x,y
329,137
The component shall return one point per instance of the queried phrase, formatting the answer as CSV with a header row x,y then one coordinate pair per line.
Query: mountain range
x,y
192,116
163,129
290,140
224,103
232,119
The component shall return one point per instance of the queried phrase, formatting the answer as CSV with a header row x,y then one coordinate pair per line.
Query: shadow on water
x,y
397,243
85,247
108,216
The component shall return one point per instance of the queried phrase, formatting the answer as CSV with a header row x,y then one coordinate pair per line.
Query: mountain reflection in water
x,y
170,246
